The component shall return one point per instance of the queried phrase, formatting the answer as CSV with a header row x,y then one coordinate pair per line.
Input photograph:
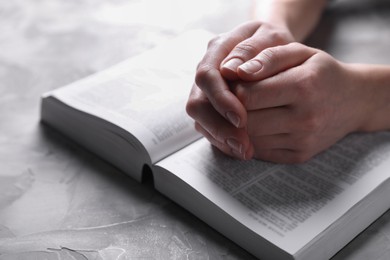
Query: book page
x,y
146,95
289,205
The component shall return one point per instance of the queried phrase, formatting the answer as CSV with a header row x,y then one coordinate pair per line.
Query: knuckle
x,y
205,74
278,38
221,42
270,55
246,49
243,94
215,41
199,128
194,106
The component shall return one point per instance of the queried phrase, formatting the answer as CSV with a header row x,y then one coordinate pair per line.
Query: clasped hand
x,y
258,94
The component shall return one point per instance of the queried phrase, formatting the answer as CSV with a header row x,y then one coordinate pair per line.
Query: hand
x,y
299,100
218,114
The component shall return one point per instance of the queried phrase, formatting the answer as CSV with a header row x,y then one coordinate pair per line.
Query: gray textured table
x,y
58,201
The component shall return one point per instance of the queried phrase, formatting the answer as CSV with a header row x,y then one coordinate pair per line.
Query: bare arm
x,y
297,16
374,83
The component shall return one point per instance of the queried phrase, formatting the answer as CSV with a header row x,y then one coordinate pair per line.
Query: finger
x,y
271,121
226,148
221,97
276,91
216,126
222,45
249,48
223,147
209,79
275,60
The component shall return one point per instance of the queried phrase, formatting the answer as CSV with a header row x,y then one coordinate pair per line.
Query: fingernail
x,y
234,145
233,64
246,156
233,118
251,66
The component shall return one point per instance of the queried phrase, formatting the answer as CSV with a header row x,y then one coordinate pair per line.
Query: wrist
x,y
272,13
373,84
298,17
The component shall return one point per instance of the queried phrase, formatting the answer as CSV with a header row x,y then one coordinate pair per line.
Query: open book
x,y
133,116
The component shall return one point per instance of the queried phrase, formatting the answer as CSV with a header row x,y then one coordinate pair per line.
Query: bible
x,y
133,116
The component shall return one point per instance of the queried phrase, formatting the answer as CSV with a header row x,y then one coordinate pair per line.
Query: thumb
x,y
274,60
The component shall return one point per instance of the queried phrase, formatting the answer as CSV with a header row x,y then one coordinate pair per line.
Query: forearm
x,y
374,83
298,16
